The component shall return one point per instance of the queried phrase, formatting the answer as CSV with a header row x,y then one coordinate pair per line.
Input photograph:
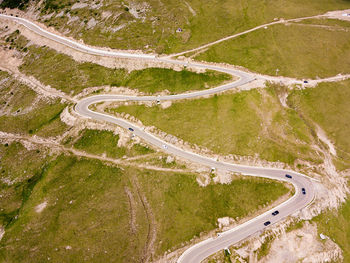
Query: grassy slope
x,y
63,73
295,50
99,142
88,208
42,119
328,105
336,225
22,171
14,95
184,209
245,123
213,20
97,219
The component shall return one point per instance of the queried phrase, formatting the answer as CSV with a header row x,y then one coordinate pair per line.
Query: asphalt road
x,y
206,248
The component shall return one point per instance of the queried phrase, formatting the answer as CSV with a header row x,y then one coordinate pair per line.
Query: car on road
x,y
303,191
275,213
305,81
288,176
131,129
267,223
165,147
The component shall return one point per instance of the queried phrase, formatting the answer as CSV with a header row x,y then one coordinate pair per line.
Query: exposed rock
x,y
79,5
170,159
91,24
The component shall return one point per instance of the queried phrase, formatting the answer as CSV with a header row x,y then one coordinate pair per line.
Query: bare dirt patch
x,y
303,244
39,208
132,206
341,14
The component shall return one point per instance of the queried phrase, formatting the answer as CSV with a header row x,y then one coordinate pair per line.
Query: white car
x,y
165,147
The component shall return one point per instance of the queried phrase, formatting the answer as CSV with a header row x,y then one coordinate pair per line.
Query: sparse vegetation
x,y
295,225
265,247
160,160
15,41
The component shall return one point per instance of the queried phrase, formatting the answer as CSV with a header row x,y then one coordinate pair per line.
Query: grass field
x,y
184,209
88,213
15,97
43,120
152,26
22,112
19,171
87,217
245,123
100,142
295,50
336,225
63,73
328,106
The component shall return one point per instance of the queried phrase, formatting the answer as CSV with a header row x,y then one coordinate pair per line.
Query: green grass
x,y
63,73
95,224
294,226
184,209
265,247
156,32
23,112
99,142
15,41
294,50
19,167
336,225
43,120
88,208
152,80
328,106
14,95
245,123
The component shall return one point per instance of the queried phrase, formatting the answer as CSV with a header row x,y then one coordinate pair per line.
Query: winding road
x,y
206,248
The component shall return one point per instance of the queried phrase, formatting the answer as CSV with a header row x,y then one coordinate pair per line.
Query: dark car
x,y
288,176
303,191
267,223
305,81
275,213
131,129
